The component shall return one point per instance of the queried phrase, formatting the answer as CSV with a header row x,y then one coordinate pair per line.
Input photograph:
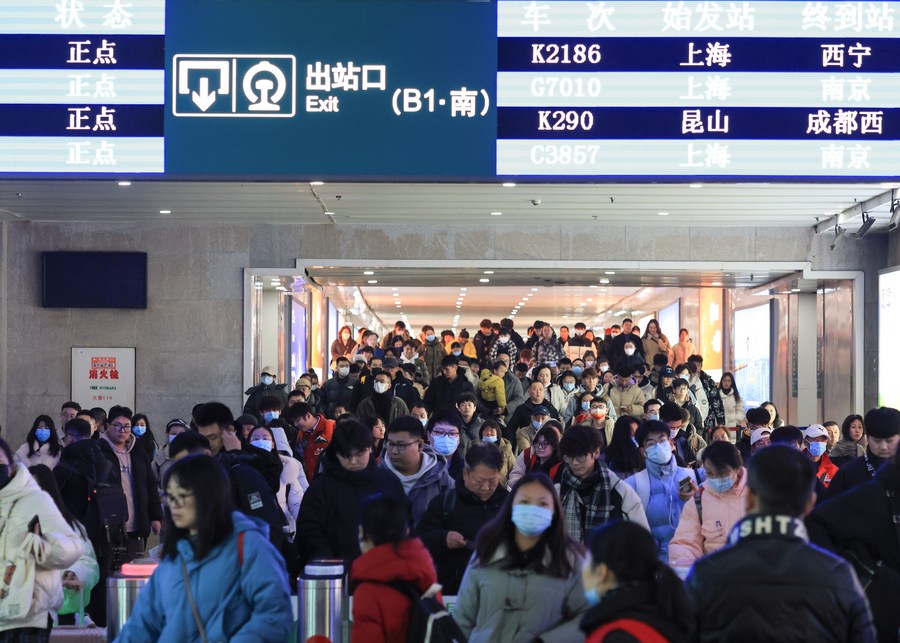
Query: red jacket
x,y
827,470
381,613
314,444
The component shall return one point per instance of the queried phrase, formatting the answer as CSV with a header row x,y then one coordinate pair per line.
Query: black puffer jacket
x,y
332,507
634,602
467,515
858,526
854,473
771,585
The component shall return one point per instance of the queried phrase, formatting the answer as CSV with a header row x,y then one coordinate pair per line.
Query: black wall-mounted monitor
x,y
94,280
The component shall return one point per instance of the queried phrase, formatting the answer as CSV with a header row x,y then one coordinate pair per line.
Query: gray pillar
x,y
807,393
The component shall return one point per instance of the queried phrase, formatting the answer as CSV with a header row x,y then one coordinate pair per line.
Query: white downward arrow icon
x,y
204,98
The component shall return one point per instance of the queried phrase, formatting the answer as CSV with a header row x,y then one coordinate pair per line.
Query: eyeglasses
x,y
578,459
443,434
173,500
121,427
398,446
541,445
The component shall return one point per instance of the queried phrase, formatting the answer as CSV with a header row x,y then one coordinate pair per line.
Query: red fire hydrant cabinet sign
x,y
103,377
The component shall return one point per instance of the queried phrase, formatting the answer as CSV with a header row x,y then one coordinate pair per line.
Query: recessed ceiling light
x,y
534,290
165,212
610,272
396,294
463,289
716,283
589,300
592,286
521,303
398,306
604,281
484,281
696,185
124,184
369,272
496,214
317,183
603,290
373,281
488,272
663,214
509,184
795,290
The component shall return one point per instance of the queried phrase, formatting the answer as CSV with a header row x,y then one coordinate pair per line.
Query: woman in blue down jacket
x,y
238,587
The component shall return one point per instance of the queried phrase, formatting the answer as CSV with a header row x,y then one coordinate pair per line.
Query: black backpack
x,y
429,620
107,508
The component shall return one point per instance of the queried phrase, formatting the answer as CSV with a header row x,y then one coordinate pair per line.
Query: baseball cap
x,y
758,434
179,422
243,419
540,410
665,371
268,370
390,362
303,381
815,431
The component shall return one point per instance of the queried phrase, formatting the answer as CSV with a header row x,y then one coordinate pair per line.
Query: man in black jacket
x,y
332,507
863,526
883,437
82,464
769,583
338,391
136,477
446,388
455,516
255,480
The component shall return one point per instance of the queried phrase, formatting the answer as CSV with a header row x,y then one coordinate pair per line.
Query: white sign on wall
x,y
103,377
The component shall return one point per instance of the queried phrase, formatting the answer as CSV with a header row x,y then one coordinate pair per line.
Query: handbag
x,y
190,595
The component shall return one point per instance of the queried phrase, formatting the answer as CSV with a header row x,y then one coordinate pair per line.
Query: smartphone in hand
x,y
685,485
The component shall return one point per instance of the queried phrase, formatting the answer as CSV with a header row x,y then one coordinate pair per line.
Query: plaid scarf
x,y
581,518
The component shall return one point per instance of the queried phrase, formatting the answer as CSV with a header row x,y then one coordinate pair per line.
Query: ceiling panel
x,y
757,204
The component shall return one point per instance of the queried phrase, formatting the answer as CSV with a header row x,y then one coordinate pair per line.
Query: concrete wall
x,y
189,340
893,258
189,343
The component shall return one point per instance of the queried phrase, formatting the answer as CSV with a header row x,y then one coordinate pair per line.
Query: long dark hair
x,y
501,532
147,441
734,388
47,481
52,441
622,454
845,427
631,554
205,477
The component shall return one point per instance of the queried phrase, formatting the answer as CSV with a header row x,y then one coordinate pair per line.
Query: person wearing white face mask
x,y
382,403
705,525
266,386
523,582
659,486
338,391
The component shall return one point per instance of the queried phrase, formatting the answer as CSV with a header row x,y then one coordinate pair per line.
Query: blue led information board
x,y
81,86
561,90
669,89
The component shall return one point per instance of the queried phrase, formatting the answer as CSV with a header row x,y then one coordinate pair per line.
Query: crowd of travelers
x,y
550,487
